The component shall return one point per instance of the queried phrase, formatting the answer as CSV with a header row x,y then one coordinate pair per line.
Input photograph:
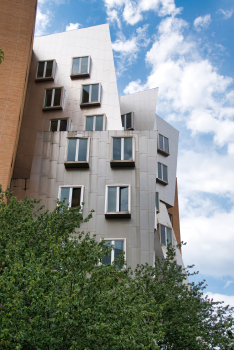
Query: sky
x,y
186,49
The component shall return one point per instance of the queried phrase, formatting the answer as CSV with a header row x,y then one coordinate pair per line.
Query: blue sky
x,y
186,49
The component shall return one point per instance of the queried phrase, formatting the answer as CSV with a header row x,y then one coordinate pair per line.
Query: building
x,y
17,21
81,140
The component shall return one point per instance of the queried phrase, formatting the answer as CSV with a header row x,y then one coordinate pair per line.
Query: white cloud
x,y
226,14
202,22
42,21
228,299
73,26
227,284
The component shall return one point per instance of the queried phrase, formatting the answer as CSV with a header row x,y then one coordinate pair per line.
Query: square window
x,y
54,98
127,121
162,174
74,195
118,248
77,155
58,125
80,67
163,145
118,201
46,70
123,152
90,95
165,235
95,123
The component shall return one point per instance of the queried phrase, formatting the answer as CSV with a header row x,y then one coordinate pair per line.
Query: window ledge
x,y
52,108
114,215
122,163
44,79
161,181
79,75
90,104
163,152
84,164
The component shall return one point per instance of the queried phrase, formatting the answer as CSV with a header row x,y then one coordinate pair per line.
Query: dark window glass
x,y
71,150
63,125
107,258
163,235
84,65
170,217
75,197
82,154
166,145
49,68
128,120
54,125
57,97
127,148
65,194
157,201
85,95
160,141
99,123
118,250
40,69
89,124
164,173
169,241
116,148
159,171
48,98
76,66
111,206
122,118
123,199
94,95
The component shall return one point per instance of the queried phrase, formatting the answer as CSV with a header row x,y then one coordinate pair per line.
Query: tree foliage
x,y
55,294
1,56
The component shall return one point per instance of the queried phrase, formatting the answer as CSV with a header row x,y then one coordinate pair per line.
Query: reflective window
x,y
80,65
127,121
166,235
94,123
117,200
122,148
53,97
72,195
45,69
77,150
163,143
118,248
112,195
91,93
162,172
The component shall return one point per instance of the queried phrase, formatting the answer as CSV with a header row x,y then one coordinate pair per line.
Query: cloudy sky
x,y
186,49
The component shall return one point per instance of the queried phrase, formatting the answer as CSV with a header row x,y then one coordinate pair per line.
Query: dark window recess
x,y
63,125
40,69
157,201
127,121
54,125
85,95
45,70
48,98
170,217
58,125
76,197
57,97
49,69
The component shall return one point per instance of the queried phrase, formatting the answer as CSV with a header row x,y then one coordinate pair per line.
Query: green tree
x,y
55,294
1,56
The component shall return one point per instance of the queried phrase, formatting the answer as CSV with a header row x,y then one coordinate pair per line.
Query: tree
x,y
1,56
55,294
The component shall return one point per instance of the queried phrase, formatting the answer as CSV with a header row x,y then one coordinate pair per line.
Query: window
x,y
54,98
157,201
95,123
46,70
77,153
162,174
58,125
170,217
80,67
118,201
123,152
74,195
127,121
166,236
163,145
119,247
91,95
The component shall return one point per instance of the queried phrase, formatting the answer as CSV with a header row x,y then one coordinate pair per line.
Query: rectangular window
x,y
53,98
80,67
119,248
122,152
157,201
127,121
166,235
162,173
91,95
170,217
73,195
58,125
46,70
95,123
118,201
163,144
77,153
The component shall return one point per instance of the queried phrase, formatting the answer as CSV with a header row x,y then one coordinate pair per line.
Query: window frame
x,y
161,181
166,227
94,121
162,151
112,251
70,194
77,163
122,162
116,214
132,121
81,75
62,98
44,78
91,104
58,126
